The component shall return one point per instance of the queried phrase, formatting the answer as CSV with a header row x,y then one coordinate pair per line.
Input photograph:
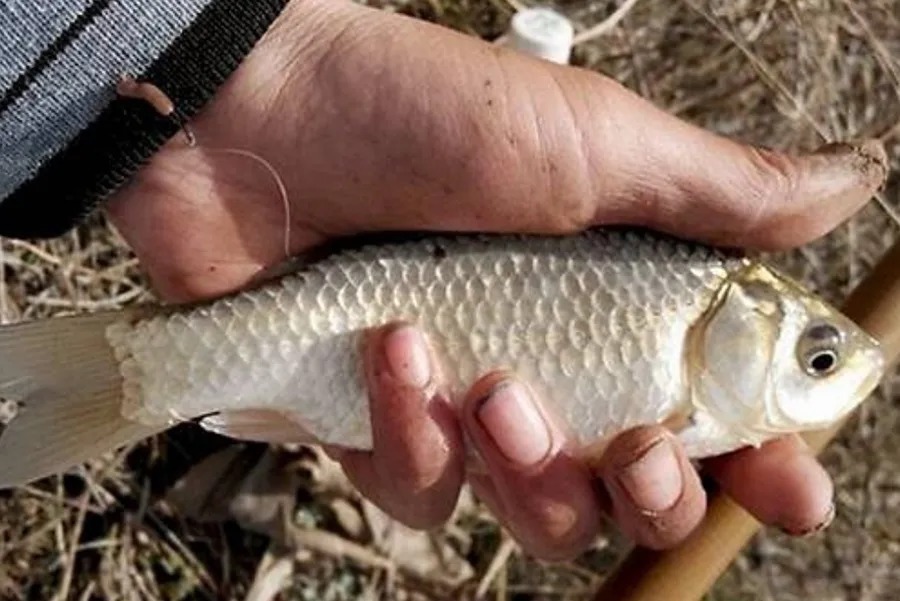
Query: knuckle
x,y
560,549
773,180
556,532
420,477
419,507
420,511
425,500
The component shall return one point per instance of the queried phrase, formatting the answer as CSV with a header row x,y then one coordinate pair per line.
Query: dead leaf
x,y
426,555
205,491
265,501
243,484
323,475
333,545
273,574
8,411
348,517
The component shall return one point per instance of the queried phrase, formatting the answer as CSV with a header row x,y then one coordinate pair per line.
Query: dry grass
x,y
782,73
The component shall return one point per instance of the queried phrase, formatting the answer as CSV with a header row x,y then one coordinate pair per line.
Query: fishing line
x,y
129,87
282,190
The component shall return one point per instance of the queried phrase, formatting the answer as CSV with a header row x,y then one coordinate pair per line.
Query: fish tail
x,y
64,380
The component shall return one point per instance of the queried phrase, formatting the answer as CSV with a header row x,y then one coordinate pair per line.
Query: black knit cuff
x,y
125,135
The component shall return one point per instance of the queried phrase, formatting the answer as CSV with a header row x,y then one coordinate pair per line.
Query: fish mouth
x,y
874,358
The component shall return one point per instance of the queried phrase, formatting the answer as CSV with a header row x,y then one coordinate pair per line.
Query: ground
x,y
781,73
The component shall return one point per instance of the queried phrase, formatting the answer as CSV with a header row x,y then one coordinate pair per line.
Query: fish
x,y
611,327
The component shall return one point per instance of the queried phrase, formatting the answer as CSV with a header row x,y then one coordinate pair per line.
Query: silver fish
x,y
613,328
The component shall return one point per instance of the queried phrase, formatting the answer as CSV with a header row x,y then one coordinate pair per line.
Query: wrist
x,y
277,79
82,142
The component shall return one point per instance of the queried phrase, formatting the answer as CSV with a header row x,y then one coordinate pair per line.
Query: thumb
x,y
607,156
503,142
664,173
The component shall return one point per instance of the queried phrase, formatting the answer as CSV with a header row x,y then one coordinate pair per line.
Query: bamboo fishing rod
x,y
687,572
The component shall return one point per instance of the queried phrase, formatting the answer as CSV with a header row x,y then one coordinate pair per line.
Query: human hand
x,y
378,122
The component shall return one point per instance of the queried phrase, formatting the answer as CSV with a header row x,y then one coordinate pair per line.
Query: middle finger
x,y
543,494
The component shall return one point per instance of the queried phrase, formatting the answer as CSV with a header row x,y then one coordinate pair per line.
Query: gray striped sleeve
x,y
67,140
26,30
77,84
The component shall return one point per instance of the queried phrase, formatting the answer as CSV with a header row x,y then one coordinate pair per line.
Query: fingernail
x,y
407,356
866,159
825,523
653,480
514,423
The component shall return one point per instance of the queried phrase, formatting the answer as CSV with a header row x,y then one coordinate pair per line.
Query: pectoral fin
x,y
708,437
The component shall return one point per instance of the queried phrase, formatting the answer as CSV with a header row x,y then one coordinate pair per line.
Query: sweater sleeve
x,y
67,140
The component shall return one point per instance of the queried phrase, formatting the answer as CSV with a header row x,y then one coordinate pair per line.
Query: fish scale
x,y
595,323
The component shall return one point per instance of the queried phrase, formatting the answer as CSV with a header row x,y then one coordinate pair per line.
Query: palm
x,y
196,235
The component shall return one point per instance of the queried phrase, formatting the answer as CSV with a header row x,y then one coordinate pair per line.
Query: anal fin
x,y
258,425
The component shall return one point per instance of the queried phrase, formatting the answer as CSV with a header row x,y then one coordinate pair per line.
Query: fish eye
x,y
819,350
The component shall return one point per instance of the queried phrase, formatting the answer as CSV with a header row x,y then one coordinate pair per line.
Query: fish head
x,y
771,358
